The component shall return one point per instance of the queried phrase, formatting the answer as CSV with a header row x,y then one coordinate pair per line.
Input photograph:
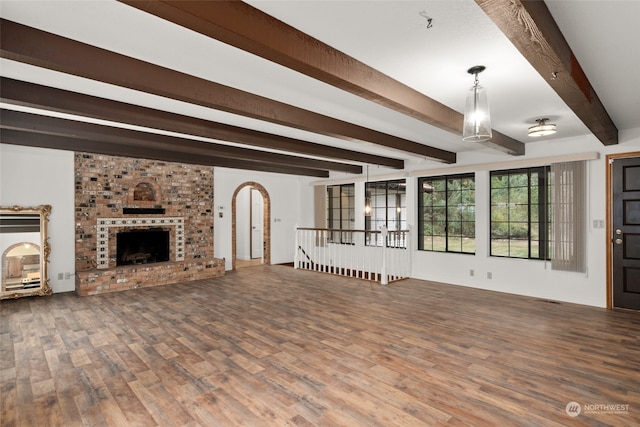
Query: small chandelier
x,y
542,128
477,122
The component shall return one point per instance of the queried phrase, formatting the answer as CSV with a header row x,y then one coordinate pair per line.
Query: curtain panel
x,y
569,216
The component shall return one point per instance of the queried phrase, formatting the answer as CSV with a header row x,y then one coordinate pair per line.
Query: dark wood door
x,y
626,233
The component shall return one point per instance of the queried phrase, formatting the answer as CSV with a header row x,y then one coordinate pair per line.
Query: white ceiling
x,y
392,36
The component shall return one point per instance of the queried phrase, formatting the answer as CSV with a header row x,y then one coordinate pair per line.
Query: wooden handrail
x,y
350,230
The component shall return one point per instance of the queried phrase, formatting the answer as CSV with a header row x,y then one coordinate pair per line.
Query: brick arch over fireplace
x,y
267,221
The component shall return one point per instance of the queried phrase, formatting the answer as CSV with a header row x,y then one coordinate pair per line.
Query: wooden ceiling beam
x,y
245,27
533,31
149,141
47,98
36,47
58,142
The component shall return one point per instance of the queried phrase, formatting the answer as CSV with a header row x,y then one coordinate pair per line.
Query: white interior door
x,y
257,224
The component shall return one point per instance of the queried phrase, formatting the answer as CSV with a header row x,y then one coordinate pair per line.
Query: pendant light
x,y
477,122
367,199
542,128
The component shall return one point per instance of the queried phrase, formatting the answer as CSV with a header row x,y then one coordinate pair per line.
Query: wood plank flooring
x,y
271,345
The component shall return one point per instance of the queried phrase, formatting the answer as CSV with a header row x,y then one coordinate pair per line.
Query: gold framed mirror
x,y
24,247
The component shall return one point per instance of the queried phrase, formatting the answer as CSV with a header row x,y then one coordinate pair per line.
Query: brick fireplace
x,y
116,195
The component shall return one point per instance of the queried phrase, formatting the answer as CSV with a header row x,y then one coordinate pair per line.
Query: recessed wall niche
x,y
138,194
144,192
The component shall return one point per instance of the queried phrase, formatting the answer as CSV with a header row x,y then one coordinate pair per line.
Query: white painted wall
x,y
306,204
243,224
256,224
36,176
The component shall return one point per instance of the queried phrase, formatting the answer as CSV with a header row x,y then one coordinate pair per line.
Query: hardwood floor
x,y
271,345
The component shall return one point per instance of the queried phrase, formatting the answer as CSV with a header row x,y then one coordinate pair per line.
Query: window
x,y
447,214
520,213
340,212
388,203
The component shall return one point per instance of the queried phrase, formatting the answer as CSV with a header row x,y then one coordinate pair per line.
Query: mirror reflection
x,y
25,251
22,267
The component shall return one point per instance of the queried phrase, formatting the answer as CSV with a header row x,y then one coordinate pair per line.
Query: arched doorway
x,y
266,230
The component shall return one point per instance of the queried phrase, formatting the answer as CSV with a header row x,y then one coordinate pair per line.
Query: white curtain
x,y
569,216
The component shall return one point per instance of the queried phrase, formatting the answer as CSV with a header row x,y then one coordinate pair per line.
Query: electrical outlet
x,y
67,276
472,273
60,276
489,275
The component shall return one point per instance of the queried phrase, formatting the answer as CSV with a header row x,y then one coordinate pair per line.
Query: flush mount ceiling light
x,y
542,128
477,122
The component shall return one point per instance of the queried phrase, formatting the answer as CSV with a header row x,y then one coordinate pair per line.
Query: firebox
x,y
142,246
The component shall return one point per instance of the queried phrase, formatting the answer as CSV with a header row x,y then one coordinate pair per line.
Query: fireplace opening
x,y
142,246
